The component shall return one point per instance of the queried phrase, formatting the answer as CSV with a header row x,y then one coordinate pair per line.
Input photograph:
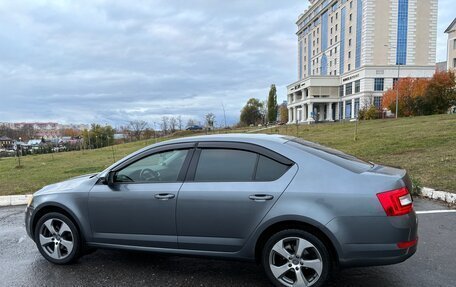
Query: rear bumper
x,y
371,241
364,255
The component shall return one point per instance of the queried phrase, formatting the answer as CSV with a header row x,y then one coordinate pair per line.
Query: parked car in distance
x,y
194,128
299,209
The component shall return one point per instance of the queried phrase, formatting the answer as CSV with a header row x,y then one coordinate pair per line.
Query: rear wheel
x,y
57,238
296,258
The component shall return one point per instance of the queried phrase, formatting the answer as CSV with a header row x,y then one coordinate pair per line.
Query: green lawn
x,y
425,146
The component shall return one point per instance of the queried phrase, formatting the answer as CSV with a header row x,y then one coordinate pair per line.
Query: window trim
x,y
248,147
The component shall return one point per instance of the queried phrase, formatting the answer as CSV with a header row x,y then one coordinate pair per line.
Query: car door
x,y
139,206
229,188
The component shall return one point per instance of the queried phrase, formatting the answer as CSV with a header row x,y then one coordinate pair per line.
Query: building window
x,y
331,30
331,20
348,89
336,38
349,67
348,109
335,50
351,4
357,86
379,84
350,29
454,44
336,27
402,29
351,17
337,15
349,42
394,82
349,54
331,41
341,89
330,53
378,102
356,108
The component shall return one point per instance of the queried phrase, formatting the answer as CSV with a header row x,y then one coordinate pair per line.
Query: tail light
x,y
407,244
396,202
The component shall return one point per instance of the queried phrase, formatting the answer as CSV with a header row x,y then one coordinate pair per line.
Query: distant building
x,y
349,52
451,54
6,142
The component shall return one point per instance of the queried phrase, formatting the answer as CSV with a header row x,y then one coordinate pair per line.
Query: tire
x,y
294,257
58,239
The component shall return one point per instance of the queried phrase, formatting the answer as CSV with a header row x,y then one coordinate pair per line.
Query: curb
x,y
438,195
11,200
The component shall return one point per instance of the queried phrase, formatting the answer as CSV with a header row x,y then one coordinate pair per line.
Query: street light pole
x,y
397,87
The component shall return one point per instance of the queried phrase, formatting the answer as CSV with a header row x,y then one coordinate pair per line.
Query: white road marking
x,y
436,211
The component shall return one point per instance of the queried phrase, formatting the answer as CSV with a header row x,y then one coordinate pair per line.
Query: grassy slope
x,y
426,146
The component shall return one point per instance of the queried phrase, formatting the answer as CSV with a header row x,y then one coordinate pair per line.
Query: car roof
x,y
232,137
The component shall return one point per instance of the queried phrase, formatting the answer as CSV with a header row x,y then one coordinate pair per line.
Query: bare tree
x,y
210,120
191,122
172,124
179,122
165,124
137,127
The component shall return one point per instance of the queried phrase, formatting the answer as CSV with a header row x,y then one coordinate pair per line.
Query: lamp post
x,y
397,82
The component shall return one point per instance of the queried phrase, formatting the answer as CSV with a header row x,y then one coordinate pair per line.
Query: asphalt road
x,y
21,264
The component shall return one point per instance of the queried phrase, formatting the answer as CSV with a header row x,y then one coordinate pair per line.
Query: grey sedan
x,y
299,209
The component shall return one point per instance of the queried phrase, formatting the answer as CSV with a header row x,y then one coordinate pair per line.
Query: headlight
x,y
29,201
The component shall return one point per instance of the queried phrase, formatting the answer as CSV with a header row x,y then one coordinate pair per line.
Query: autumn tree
x,y
251,112
283,114
440,94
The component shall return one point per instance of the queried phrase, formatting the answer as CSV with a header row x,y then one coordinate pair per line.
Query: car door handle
x,y
164,196
261,197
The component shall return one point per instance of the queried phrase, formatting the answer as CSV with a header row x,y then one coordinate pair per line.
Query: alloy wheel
x,y
56,238
295,261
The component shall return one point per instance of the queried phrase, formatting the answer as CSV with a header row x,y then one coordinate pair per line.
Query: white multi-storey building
x,y
351,51
451,51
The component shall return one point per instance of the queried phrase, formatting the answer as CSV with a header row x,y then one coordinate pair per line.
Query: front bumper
x,y
28,221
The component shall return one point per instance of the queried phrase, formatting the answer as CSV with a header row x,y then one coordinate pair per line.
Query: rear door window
x,y
225,165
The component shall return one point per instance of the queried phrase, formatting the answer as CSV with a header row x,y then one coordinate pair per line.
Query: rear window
x,y
335,156
269,169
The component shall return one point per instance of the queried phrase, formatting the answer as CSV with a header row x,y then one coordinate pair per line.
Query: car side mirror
x,y
108,179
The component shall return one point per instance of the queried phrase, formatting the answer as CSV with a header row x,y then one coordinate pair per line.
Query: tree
x,y
172,124
191,122
440,93
179,122
98,136
422,96
283,111
251,112
210,120
272,104
136,128
165,124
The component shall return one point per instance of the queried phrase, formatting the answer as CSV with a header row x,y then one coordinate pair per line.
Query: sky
x,y
113,61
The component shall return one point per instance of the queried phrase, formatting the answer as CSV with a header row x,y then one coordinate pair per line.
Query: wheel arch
x,y
55,207
324,235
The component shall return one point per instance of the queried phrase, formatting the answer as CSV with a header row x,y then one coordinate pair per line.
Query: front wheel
x,y
296,258
57,238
